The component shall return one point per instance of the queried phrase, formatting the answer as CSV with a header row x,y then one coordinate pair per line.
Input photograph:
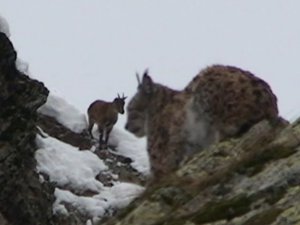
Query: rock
x,y
251,180
23,199
55,129
3,221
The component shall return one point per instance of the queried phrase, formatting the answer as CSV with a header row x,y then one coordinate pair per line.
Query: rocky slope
x,y
23,198
253,180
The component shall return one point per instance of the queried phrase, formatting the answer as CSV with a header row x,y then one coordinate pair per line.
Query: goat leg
x,y
106,134
101,132
103,139
90,128
108,130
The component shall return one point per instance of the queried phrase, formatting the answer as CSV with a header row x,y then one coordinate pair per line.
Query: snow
x,y
4,27
67,166
132,147
121,194
118,196
64,113
77,170
86,205
21,64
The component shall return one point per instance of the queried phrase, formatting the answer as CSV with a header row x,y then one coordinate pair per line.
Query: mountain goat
x,y
105,115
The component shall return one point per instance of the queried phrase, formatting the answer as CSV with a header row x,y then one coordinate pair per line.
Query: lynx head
x,y
138,105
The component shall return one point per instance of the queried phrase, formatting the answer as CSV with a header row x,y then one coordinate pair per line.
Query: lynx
x,y
220,102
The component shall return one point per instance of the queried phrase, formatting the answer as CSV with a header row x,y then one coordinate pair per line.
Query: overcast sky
x,y
90,49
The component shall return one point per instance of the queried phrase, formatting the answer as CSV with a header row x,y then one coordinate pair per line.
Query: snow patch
x,y
86,205
118,196
127,145
22,66
76,170
121,194
67,166
64,113
4,27
130,146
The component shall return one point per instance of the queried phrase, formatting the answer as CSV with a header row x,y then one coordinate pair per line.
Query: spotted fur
x,y
233,99
220,102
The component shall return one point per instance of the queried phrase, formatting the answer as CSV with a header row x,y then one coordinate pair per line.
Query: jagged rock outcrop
x,y
55,129
23,198
253,180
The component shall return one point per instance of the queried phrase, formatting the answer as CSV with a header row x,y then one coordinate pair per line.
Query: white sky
x,y
86,50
